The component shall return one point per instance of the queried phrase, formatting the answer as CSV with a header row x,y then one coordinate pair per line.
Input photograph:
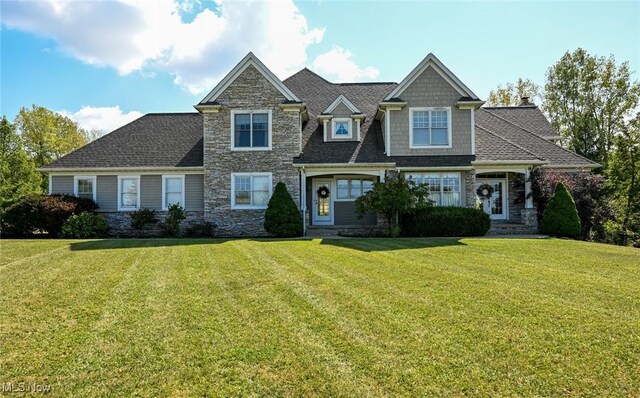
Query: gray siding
x,y
431,90
341,111
194,192
345,214
62,185
151,191
107,192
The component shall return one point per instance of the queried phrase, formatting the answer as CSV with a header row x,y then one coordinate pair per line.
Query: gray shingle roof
x,y
175,139
491,125
154,140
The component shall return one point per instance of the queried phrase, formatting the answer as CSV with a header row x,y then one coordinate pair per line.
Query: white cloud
x,y
151,35
104,119
337,64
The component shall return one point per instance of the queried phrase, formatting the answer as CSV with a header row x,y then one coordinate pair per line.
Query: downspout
x,y
303,200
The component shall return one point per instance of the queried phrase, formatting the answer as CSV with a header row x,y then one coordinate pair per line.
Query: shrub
x,y
45,213
85,225
392,198
23,217
282,217
171,224
142,217
560,216
445,221
200,230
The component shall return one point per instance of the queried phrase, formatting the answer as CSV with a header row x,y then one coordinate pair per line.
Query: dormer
x,y
341,121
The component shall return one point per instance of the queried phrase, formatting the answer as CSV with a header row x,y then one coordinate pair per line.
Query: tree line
x,y
36,137
593,103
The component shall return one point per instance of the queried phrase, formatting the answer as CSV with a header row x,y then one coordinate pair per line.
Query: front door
x,y
496,205
322,203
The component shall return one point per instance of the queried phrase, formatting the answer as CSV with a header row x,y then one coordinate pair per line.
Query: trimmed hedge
x,y
444,221
85,226
46,213
560,216
282,217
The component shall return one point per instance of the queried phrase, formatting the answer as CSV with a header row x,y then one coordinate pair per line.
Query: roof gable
x,y
341,99
249,60
430,61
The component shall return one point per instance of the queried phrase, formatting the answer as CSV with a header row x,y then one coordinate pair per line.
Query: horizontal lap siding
x,y
345,214
194,192
62,185
151,192
107,192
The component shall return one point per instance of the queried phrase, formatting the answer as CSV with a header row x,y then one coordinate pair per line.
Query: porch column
x,y
528,204
303,200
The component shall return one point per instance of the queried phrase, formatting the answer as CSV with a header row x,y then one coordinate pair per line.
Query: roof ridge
x,y
510,142
510,107
540,138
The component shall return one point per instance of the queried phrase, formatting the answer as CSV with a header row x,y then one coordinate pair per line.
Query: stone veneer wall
x,y
516,194
469,179
250,91
120,222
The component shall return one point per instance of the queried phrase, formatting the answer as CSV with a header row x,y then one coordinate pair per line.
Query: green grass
x,y
406,317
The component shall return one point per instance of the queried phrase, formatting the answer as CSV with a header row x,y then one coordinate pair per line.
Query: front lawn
x,y
405,317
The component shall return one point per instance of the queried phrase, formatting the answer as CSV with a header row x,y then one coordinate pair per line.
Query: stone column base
x,y
529,217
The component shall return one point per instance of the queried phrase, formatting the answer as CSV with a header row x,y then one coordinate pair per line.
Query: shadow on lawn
x,y
118,243
389,244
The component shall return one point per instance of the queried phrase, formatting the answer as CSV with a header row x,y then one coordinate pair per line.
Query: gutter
x,y
351,165
112,169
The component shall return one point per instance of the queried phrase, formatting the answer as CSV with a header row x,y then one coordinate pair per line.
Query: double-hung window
x,y
444,188
430,127
128,193
84,187
353,188
250,130
172,191
250,190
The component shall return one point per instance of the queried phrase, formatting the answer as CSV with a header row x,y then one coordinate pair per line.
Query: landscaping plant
x,y
282,217
85,225
560,216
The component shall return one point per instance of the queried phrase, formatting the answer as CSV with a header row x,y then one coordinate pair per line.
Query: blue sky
x,y
105,63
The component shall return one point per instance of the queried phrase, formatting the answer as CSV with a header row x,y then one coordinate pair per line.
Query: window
x,y
250,190
84,187
172,191
353,188
444,188
430,127
128,192
251,130
341,128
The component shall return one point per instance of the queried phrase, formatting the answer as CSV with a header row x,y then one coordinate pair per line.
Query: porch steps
x,y
511,229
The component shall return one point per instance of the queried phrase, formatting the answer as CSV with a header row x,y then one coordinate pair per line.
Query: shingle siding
x,y
62,185
107,192
431,90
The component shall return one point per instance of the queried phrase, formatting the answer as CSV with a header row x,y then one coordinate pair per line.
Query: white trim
x,y
473,131
303,200
50,183
111,170
508,162
343,171
250,112
430,109
333,128
164,190
431,61
249,59
505,196
119,190
234,206
344,100
324,130
94,184
358,129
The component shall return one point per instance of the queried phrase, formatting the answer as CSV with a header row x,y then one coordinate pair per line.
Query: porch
x,y
505,196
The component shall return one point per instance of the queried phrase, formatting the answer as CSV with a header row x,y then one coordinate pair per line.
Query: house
x,y
327,142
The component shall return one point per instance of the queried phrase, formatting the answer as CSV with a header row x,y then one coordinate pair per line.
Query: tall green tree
x,y
18,175
624,176
588,98
511,94
48,135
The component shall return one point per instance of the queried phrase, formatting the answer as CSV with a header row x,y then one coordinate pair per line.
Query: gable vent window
x,y
430,127
341,128
251,130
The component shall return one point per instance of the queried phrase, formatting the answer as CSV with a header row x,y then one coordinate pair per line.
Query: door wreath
x,y
485,191
323,192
